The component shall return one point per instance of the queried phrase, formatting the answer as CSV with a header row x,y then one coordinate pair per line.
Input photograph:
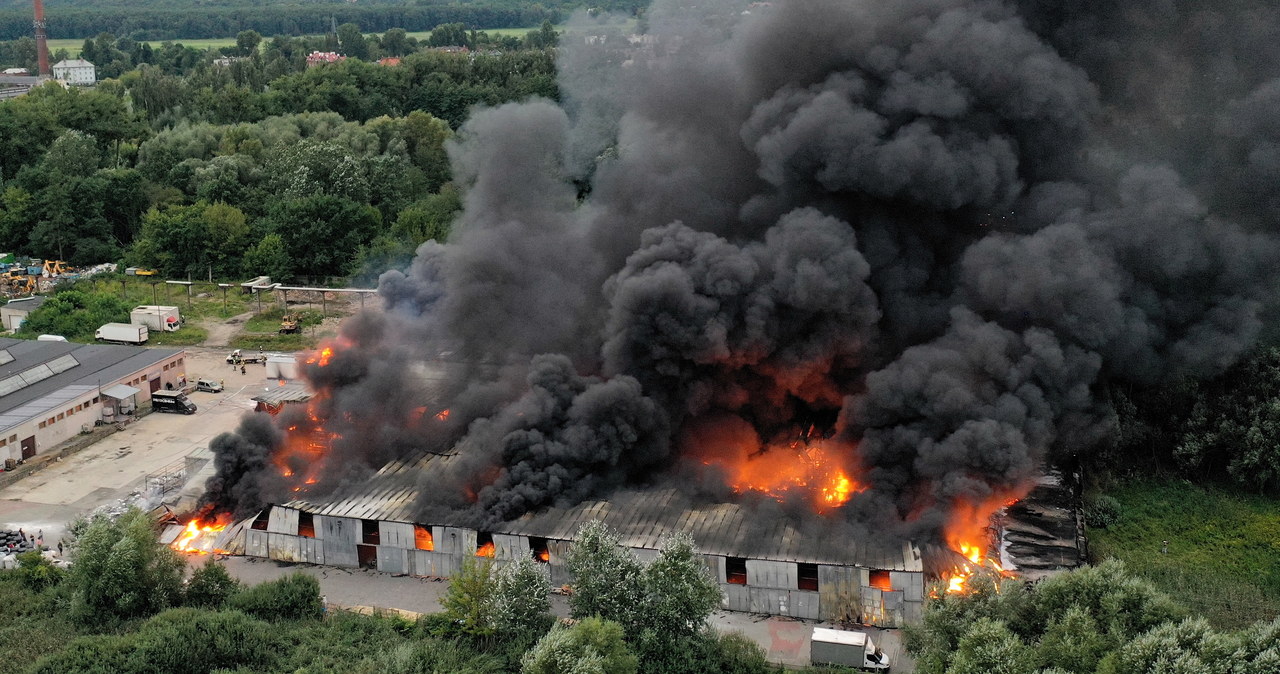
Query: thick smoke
x,y
931,229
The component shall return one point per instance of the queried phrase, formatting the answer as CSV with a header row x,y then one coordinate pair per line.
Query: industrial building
x,y
14,312
761,566
78,72
51,391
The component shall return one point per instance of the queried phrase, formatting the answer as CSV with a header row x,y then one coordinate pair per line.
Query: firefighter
x,y
242,370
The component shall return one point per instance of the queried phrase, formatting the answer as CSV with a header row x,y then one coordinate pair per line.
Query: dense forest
x,y
171,19
259,165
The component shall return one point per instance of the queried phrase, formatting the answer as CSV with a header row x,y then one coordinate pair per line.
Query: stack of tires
x,y
19,543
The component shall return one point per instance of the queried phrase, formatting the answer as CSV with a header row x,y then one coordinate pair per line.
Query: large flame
x,y
198,537
809,469
968,534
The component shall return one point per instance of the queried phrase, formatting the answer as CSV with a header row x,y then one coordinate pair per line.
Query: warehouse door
x,y
155,384
28,447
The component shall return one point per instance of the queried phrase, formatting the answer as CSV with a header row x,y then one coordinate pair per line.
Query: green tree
x,y
247,42
74,153
591,646
192,641
322,233
351,41
36,572
210,587
608,580
470,598
988,647
75,314
269,257
395,42
521,609
449,35
680,593
121,572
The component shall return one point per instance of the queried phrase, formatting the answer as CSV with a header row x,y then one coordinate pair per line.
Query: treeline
x,y
1226,428
260,166
1099,620
174,23
124,606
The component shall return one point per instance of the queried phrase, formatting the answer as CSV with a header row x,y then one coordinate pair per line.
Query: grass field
x,y
1224,547
136,291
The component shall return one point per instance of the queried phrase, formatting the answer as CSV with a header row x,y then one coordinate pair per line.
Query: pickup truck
x,y
238,358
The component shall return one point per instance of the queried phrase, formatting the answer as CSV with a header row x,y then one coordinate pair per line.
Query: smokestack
x,y
42,43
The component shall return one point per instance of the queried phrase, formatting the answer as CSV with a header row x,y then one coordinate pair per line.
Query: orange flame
x,y
812,469
966,534
443,415
196,538
486,550
544,555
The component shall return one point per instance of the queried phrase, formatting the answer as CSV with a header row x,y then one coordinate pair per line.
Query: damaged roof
x,y
641,517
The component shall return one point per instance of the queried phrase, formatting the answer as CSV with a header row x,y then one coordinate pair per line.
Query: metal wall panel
x,y
340,553
255,543
829,575
778,575
395,535
507,546
282,547
393,559
434,564
456,541
559,573
736,597
769,600
310,550
283,521
716,564
901,580
337,529
912,611
804,604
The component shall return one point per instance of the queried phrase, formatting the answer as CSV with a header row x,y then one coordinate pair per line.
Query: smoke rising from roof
x,y
916,223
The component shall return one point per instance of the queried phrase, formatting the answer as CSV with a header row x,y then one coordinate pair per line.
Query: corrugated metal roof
x,y
641,517
289,393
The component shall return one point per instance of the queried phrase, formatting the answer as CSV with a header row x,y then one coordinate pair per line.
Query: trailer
x,y
122,333
157,318
846,648
239,358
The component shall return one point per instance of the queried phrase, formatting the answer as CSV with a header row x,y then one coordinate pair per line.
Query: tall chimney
x,y
42,43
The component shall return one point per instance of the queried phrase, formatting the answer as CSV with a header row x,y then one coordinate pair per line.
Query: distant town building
x,y
389,61
316,58
16,71
75,71
228,60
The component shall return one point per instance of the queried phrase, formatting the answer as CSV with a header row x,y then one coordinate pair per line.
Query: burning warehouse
x,y
863,298
774,569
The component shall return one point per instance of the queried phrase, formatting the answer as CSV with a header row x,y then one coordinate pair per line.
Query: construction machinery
x,y
290,325
56,268
16,282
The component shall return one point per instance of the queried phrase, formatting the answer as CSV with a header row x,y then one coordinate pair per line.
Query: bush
x,y
1101,512
37,572
121,572
89,655
592,646
469,601
210,587
432,656
294,597
185,640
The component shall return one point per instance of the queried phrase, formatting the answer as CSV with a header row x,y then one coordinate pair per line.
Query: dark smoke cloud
x,y
929,228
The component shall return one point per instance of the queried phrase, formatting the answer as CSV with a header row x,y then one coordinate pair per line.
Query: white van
x,y
51,338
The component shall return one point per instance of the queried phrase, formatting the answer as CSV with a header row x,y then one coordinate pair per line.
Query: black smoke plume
x,y
936,226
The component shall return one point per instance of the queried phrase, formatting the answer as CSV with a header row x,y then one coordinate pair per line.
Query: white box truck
x,y
123,333
157,318
846,649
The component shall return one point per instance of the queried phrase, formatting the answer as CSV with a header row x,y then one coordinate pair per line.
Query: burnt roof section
x,y
641,517
291,392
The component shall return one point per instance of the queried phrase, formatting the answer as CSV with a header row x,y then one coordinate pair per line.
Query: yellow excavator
x,y
289,324
56,268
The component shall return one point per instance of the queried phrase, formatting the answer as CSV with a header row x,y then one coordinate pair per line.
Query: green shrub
x,y
1101,512
210,587
294,597
37,572
592,646
432,656
89,655
188,640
